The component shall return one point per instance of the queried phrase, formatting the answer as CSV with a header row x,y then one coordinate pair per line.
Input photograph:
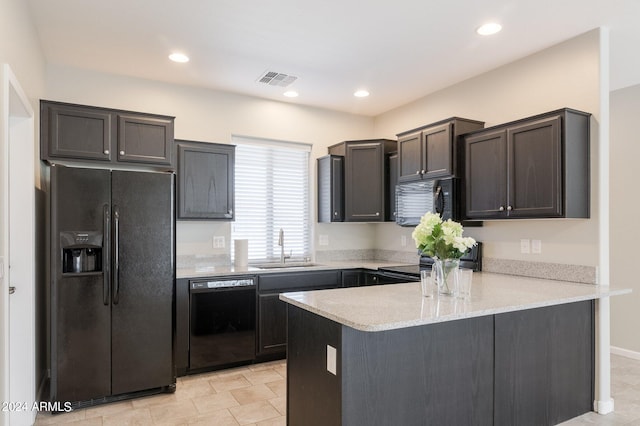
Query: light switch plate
x,y
525,246
331,360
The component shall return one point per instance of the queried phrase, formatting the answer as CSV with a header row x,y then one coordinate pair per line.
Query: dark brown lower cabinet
x,y
272,321
272,312
532,367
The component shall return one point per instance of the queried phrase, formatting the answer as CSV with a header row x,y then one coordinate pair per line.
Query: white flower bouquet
x,y
441,239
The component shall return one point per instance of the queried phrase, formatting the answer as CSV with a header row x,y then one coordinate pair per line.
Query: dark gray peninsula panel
x,y
521,351
532,367
544,364
442,372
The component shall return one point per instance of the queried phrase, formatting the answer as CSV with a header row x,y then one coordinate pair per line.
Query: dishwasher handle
x,y
219,285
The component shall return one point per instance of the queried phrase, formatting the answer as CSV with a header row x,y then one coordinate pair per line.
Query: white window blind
x,y
272,193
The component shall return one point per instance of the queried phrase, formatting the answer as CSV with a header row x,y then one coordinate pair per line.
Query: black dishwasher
x,y
222,322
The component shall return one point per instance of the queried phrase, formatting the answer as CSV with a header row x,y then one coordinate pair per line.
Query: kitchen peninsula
x,y
521,351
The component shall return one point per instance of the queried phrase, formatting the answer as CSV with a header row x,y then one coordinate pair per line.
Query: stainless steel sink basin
x,y
285,265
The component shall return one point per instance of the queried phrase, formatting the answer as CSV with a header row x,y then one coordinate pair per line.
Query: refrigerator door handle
x,y
116,257
106,232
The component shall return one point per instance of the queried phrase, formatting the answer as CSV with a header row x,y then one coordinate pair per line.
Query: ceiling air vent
x,y
273,78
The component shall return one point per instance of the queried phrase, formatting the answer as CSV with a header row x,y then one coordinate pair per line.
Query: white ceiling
x,y
399,50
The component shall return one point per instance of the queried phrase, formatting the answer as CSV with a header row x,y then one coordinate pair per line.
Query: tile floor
x,y
625,389
251,395
256,395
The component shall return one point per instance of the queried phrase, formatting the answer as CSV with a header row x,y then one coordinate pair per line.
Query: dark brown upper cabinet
x,y
144,139
366,179
330,170
87,134
76,132
537,167
431,151
486,173
392,162
205,180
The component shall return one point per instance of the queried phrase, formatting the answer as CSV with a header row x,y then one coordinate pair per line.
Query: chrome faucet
x,y
281,244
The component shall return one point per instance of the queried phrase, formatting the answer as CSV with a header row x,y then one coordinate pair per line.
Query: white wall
x,y
625,205
213,116
20,49
565,75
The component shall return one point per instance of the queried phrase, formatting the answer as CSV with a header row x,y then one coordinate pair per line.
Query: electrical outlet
x,y
323,240
525,246
536,246
403,240
218,241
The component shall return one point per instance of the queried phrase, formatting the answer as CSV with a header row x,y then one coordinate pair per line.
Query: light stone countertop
x,y
208,270
393,306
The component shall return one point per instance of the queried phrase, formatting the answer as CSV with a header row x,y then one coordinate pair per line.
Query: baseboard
x,y
606,407
603,407
625,352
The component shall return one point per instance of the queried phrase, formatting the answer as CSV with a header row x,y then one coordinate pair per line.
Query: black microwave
x,y
414,199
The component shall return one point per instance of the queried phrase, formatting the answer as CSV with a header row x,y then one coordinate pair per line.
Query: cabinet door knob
x,y
377,213
335,213
121,152
509,208
422,172
230,211
501,208
417,172
106,151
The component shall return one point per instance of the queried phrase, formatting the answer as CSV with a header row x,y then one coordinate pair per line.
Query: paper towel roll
x,y
241,258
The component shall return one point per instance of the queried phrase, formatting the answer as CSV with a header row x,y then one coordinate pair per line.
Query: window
x,y
272,193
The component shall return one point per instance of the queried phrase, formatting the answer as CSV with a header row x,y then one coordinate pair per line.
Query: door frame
x,y
17,186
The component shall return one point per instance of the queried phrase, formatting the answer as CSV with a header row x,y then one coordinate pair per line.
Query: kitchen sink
x,y
285,265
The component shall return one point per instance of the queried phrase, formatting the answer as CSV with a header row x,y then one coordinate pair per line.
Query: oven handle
x,y
400,276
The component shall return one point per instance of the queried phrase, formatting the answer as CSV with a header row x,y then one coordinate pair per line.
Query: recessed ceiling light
x,y
488,29
179,57
291,94
361,93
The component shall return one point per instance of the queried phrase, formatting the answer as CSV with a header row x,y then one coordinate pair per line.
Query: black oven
x,y
471,260
222,322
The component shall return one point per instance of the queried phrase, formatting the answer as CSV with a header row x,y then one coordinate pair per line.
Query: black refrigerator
x,y
112,270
